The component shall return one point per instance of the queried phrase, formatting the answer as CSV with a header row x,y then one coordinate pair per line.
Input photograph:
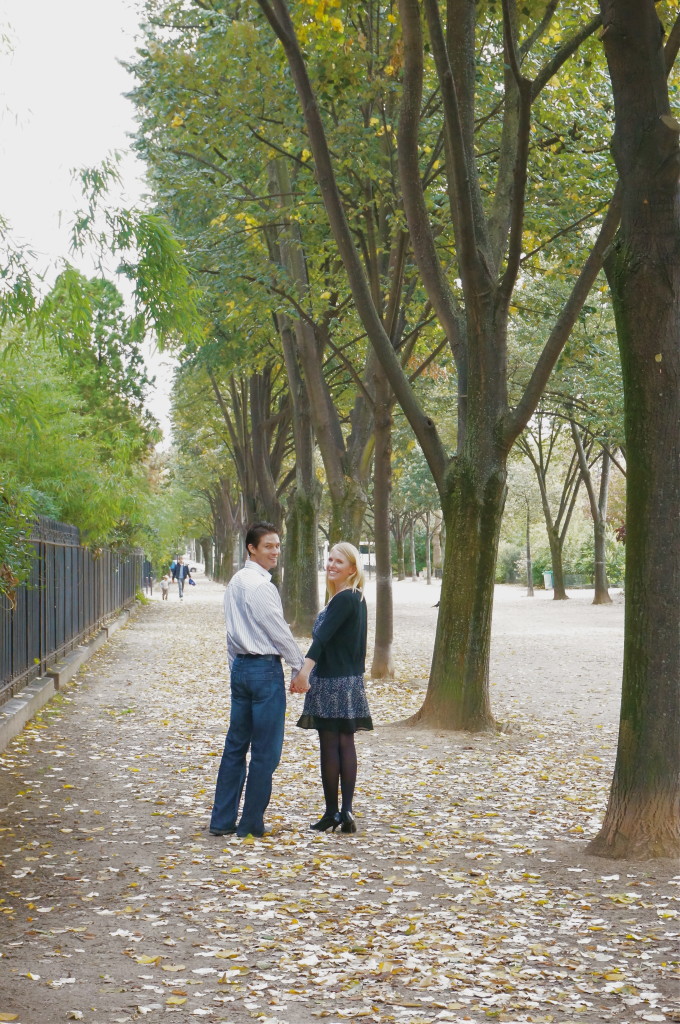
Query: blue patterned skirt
x,y
337,703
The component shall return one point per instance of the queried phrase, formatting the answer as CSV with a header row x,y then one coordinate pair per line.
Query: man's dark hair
x,y
256,531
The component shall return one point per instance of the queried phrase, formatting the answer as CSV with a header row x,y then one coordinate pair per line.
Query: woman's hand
x,y
300,683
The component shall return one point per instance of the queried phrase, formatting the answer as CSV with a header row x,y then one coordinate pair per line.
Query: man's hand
x,y
299,683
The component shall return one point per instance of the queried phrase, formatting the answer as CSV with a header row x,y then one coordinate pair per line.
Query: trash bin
x,y
548,580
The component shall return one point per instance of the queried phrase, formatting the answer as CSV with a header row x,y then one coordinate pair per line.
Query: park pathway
x,y
466,896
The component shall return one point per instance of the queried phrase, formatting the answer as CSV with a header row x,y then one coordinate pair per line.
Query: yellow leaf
x,y
143,959
9,1016
174,967
176,1000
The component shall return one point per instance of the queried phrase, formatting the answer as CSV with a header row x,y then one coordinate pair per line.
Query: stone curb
x,y
20,709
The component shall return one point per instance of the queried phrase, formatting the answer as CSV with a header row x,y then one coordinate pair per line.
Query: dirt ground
x,y
466,895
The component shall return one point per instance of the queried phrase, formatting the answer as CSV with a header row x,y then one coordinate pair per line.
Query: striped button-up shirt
x,y
254,617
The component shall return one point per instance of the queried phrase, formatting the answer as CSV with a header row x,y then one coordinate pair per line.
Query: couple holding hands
x,y
331,676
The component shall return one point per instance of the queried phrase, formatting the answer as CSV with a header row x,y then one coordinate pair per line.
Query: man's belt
x,y
266,657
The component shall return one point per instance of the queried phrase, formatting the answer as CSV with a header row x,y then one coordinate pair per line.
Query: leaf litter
x,y
466,896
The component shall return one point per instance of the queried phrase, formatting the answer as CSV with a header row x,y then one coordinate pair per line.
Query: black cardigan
x,y
339,646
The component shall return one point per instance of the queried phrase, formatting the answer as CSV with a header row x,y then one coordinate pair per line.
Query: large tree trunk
x,y
300,590
458,691
600,536
412,546
400,546
437,560
224,561
428,550
643,814
225,517
530,568
206,544
383,665
347,514
554,540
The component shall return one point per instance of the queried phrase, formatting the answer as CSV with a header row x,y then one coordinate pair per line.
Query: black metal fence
x,y
72,591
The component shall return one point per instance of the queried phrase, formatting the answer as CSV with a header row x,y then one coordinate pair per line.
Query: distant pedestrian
x,y
180,573
165,586
257,638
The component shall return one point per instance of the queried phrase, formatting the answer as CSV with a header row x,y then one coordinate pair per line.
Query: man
x,y
180,573
258,637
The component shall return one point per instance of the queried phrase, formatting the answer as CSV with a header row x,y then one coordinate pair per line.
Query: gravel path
x,y
466,895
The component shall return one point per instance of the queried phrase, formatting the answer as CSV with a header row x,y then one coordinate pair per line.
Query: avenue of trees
x,y
428,295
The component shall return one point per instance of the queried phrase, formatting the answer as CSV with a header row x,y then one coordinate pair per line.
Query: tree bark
x,y
598,510
398,531
300,589
530,568
225,516
412,539
643,813
458,689
383,664
428,550
437,559
600,535
559,591
206,544
300,593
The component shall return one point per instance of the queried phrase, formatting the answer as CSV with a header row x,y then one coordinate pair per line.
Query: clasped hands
x,y
300,683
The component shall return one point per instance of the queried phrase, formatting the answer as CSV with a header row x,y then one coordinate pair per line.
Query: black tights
x,y
338,767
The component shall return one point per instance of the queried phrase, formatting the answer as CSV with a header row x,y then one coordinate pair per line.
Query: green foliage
x,y
149,255
579,558
74,438
413,489
511,559
18,284
16,550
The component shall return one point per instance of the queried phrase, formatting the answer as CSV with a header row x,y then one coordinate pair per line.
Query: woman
x,y
336,702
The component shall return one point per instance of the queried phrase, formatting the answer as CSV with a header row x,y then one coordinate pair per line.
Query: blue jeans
x,y
180,587
258,708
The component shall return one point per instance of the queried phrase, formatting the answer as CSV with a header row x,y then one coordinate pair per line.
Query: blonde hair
x,y
356,579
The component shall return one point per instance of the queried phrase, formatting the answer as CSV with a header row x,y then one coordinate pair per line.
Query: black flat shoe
x,y
331,819
347,822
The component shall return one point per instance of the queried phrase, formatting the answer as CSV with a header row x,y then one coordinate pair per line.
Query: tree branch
x,y
424,428
474,273
519,176
199,160
565,51
566,320
540,28
562,231
422,239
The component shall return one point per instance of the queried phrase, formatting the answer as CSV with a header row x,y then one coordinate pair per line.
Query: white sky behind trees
x,y
62,108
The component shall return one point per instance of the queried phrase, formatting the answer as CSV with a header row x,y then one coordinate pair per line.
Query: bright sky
x,y
62,107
